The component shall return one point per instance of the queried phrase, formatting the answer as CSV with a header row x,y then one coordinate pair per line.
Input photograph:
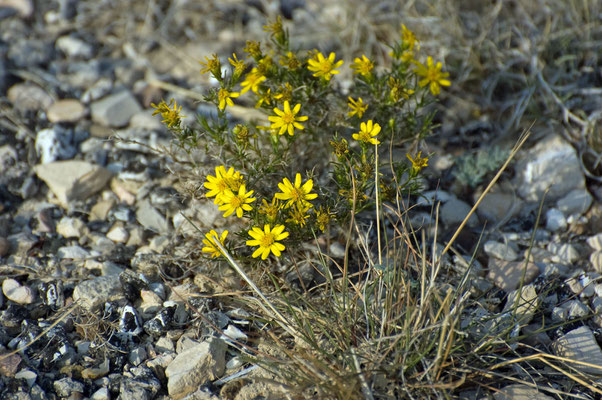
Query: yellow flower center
x,y
288,118
237,201
267,240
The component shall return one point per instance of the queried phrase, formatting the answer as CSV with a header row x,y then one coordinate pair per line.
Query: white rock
x,y
73,47
551,164
95,292
195,367
16,292
555,220
55,144
503,251
233,333
71,227
595,242
150,218
118,234
520,392
73,252
566,252
73,180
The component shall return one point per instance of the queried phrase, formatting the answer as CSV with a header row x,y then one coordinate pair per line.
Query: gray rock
x,y
28,53
575,309
16,292
566,252
503,251
555,220
577,201
24,8
497,207
150,218
137,356
22,242
580,345
4,246
28,375
93,293
28,97
101,88
73,47
55,144
66,110
196,367
65,387
552,163
454,211
596,260
518,391
507,275
595,242
73,180
115,110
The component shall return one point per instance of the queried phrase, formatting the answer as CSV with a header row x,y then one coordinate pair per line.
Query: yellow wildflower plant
x,y
367,133
221,182
267,240
210,240
253,48
432,75
270,210
286,119
225,98
238,65
285,92
323,217
324,67
236,202
171,116
252,81
362,66
213,66
357,107
297,194
418,162
298,214
265,97
290,61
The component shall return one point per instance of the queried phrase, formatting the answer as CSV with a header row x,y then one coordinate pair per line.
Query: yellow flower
x,y
409,39
296,194
291,61
252,81
287,120
171,117
209,242
432,76
362,66
253,49
270,209
236,202
324,67
398,91
239,65
225,97
285,93
298,214
418,162
265,97
267,240
264,66
367,133
212,65
357,107
340,148
222,181
323,217
275,29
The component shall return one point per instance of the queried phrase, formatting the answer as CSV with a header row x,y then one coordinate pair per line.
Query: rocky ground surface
x,y
92,303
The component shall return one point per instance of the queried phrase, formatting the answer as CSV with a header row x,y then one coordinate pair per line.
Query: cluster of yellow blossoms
x,y
229,189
